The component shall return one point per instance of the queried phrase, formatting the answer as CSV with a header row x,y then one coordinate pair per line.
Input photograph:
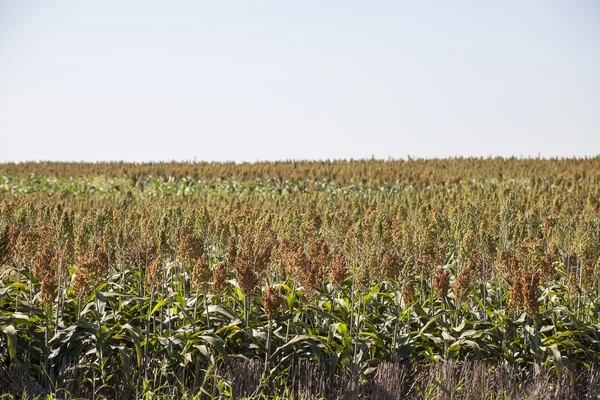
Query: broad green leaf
x,y
11,334
158,306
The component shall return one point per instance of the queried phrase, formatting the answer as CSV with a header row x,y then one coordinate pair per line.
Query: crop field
x,y
417,279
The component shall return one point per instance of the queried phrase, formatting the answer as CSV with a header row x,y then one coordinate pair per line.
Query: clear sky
x,y
269,80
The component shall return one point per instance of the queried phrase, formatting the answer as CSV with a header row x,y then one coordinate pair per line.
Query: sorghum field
x,y
433,279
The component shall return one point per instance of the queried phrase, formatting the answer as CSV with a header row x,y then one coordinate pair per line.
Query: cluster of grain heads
x,y
190,250
48,269
362,276
247,278
296,263
49,290
253,257
462,285
529,296
312,279
339,271
441,282
516,295
548,265
390,265
91,271
219,285
408,290
43,263
154,275
201,274
231,251
272,300
251,261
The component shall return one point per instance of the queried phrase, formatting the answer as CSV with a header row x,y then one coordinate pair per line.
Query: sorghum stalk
x,y
394,337
100,335
352,299
271,302
148,335
287,331
485,290
59,293
18,280
206,307
30,284
431,295
46,339
331,295
580,286
195,311
245,311
140,276
162,312
268,353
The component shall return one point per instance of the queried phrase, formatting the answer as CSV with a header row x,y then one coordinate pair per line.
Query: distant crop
x,y
367,279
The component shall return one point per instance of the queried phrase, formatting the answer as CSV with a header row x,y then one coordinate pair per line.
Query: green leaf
x,y
369,334
558,362
135,338
157,306
217,343
232,326
101,302
18,285
11,334
431,321
342,329
215,308
475,347
459,327
468,333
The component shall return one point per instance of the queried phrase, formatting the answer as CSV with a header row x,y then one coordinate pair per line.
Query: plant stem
x,y
206,307
268,353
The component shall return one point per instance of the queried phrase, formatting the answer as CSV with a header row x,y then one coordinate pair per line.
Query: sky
x,y
277,80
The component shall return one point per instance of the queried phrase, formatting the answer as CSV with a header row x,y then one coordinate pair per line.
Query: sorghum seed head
x,y
201,274
441,282
339,271
462,286
529,289
49,289
154,275
43,263
219,279
190,249
271,301
408,291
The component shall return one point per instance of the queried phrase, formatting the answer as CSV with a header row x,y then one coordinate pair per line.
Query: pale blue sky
x,y
258,80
